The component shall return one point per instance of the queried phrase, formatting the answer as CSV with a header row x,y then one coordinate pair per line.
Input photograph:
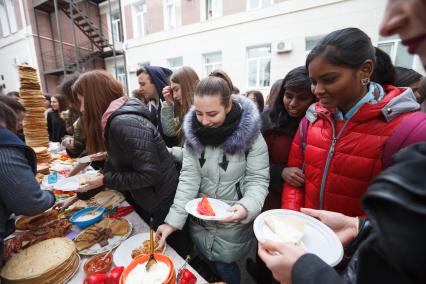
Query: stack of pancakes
x,y
35,126
50,261
43,156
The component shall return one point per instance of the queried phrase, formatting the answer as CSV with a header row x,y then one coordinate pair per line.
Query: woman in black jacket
x,y
55,123
137,158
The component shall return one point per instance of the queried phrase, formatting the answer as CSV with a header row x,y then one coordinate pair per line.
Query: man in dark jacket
x,y
389,247
152,80
20,192
138,162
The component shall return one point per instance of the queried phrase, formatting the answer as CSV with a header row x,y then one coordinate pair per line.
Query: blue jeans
x,y
228,272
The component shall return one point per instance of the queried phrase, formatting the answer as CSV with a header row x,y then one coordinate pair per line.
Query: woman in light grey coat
x,y
226,158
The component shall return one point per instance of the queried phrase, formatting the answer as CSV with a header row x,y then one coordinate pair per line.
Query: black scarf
x,y
216,136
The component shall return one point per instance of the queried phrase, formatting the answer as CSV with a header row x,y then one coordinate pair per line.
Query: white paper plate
x,y
73,183
123,254
318,239
219,208
113,242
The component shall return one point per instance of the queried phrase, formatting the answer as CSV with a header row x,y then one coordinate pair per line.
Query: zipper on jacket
x,y
329,156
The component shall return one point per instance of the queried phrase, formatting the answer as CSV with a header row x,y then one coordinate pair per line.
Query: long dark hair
x,y
297,80
348,47
188,79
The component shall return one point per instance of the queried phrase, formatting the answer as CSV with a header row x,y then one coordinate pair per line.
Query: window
x,y
259,66
121,75
142,64
116,26
211,9
7,17
397,52
175,63
212,61
172,14
141,19
258,4
311,41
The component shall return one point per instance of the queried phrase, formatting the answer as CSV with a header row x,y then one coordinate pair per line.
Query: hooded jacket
x,y
342,157
160,77
203,173
394,250
138,160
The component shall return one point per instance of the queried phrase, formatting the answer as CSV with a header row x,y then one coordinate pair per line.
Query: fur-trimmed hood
x,y
242,138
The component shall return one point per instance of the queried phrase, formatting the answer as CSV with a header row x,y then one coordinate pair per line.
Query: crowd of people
x,y
340,138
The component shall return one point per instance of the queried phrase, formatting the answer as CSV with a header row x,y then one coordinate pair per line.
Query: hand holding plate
x,y
280,258
238,213
345,227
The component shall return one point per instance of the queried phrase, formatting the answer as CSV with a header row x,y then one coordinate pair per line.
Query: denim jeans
x,y
228,272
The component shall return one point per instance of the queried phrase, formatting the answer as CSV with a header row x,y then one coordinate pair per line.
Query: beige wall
x,y
129,21
155,16
190,12
234,6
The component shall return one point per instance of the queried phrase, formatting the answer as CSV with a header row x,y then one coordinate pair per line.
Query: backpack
x,y
405,134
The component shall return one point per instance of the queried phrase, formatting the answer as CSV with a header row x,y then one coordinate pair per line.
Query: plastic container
x,y
94,264
171,277
86,223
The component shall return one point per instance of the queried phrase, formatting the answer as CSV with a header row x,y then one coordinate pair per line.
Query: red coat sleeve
x,y
293,197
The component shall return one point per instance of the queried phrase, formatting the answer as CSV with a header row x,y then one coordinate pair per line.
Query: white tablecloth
x,y
139,226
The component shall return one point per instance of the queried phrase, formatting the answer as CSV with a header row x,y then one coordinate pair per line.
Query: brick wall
x,y
190,12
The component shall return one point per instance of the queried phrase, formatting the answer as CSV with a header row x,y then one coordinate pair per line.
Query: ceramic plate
x,y
113,242
123,254
219,208
318,238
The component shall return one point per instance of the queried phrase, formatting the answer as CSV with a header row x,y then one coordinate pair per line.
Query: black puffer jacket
x,y
394,250
138,160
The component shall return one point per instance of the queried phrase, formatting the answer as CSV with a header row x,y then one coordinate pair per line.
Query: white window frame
x,y
142,64
116,26
140,23
258,60
214,65
8,18
176,18
121,77
394,50
216,8
259,6
317,38
174,67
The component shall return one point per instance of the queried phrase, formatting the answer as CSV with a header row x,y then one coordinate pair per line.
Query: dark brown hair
x,y
188,79
217,83
260,101
63,105
99,89
273,93
8,116
65,89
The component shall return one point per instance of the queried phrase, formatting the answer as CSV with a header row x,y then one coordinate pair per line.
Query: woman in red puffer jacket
x,y
280,124
348,127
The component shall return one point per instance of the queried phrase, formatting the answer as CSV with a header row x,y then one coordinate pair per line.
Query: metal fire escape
x,y
73,57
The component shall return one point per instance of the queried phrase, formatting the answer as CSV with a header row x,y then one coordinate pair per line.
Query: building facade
x,y
255,41
58,37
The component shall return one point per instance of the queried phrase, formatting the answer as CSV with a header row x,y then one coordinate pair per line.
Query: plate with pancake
x,y
312,235
103,236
